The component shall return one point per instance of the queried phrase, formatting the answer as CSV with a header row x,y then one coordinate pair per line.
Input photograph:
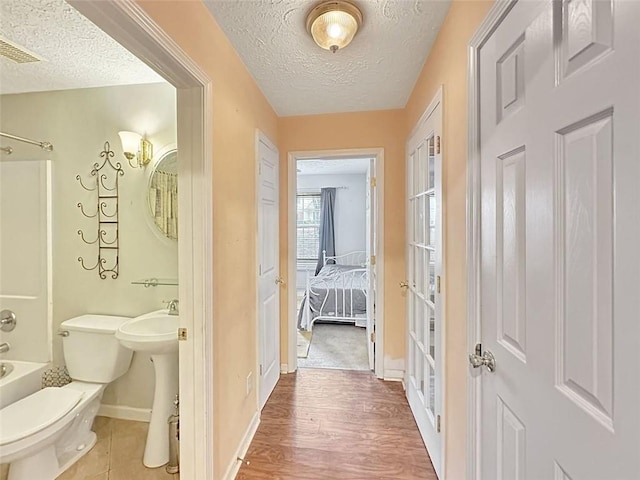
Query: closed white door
x,y
424,300
560,237
268,269
25,256
371,263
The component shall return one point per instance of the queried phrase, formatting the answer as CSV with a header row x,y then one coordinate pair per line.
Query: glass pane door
x,y
424,271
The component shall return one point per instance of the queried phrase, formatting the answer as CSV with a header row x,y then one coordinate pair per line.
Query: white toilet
x,y
45,433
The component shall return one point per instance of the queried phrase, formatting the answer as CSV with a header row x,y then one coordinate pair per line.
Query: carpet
x,y
304,342
340,346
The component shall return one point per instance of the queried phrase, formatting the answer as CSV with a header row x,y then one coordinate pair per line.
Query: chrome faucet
x,y
4,347
172,306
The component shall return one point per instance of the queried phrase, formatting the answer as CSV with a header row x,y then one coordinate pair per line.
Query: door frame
x,y
292,181
263,137
496,15
127,23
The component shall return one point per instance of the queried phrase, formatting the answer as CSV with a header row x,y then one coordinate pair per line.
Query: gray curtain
x,y
327,234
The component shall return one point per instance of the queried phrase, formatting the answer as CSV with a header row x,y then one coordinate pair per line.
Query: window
x,y
308,226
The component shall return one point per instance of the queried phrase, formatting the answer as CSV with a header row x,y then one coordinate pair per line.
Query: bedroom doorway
x,y
333,222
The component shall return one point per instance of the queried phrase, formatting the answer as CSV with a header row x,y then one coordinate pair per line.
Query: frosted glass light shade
x,y
333,24
130,143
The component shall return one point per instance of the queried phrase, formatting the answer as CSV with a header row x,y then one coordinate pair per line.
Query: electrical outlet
x,y
249,383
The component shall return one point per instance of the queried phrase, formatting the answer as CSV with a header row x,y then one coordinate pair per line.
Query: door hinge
x,y
438,424
373,181
438,283
182,334
373,259
373,337
438,144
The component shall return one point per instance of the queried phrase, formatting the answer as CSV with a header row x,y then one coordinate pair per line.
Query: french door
x,y
559,225
424,297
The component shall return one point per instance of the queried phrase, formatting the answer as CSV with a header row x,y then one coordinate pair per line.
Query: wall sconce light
x,y
134,146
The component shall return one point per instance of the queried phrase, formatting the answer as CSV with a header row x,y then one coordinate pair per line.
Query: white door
x,y
424,299
560,237
25,256
371,255
268,269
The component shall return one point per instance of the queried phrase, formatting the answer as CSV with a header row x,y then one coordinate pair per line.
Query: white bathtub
x,y
23,380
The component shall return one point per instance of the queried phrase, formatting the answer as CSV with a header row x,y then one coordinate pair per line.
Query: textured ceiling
x,y
76,53
329,167
376,71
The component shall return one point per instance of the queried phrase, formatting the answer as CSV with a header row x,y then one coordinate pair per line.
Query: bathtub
x,y
22,380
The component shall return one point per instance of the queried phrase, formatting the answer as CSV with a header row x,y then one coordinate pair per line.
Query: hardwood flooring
x,y
338,425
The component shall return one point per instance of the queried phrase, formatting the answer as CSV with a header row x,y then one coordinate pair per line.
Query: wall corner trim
x,y
234,467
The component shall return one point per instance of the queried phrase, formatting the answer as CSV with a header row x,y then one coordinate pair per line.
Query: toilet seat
x,y
36,412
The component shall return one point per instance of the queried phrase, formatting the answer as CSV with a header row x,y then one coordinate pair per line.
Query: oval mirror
x,y
163,194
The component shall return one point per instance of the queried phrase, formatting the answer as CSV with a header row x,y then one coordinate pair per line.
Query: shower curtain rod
x,y
43,145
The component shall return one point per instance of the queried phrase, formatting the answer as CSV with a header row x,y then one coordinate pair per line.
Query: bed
x,y
338,293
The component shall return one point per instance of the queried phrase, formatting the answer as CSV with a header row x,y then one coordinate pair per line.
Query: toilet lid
x,y
36,412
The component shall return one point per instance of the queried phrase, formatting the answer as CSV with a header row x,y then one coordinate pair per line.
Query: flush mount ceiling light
x,y
333,24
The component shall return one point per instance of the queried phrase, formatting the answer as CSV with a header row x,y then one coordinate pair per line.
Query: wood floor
x,y
337,425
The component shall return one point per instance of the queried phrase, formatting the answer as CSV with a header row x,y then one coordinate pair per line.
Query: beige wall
x,y
447,66
238,109
78,122
356,130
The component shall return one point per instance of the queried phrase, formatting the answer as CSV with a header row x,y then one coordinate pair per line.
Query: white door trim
x,y
261,137
127,23
498,12
293,157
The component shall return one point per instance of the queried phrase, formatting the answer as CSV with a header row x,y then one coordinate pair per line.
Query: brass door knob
x,y
404,284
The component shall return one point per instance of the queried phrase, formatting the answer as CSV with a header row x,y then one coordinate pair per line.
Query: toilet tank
x,y
91,351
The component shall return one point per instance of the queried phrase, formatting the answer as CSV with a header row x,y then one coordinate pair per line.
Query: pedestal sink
x,y
156,333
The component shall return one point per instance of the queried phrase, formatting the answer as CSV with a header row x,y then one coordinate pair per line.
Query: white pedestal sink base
x,y
156,452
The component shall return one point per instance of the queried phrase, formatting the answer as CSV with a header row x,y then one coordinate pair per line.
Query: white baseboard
x,y
234,466
393,375
125,413
284,368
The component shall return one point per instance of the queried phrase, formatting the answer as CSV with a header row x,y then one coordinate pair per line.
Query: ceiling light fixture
x,y
333,24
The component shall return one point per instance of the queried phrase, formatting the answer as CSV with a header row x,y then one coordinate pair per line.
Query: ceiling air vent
x,y
17,54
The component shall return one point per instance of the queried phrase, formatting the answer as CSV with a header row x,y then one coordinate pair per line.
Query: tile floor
x,y
116,456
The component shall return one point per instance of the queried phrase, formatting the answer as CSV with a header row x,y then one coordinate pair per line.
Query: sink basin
x,y
153,333
156,334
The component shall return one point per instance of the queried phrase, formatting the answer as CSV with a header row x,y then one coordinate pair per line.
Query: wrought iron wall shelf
x,y
104,181
154,282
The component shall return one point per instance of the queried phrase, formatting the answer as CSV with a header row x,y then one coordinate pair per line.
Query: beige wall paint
x,y
238,109
78,122
344,131
447,66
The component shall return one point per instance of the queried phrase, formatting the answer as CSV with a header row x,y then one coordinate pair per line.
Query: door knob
x,y
7,320
404,284
485,360
279,281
